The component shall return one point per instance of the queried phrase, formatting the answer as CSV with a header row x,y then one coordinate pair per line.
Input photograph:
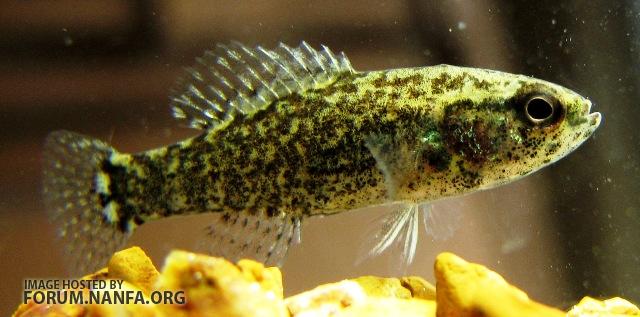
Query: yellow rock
x,y
382,287
326,300
131,309
406,287
134,266
364,296
102,274
419,288
384,307
613,307
466,289
32,309
270,278
110,307
215,287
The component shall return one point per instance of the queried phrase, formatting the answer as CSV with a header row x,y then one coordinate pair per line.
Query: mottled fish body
x,y
294,132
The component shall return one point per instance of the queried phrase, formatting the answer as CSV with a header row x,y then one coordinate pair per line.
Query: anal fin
x,y
257,236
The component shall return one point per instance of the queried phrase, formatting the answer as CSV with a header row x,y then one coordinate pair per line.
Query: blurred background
x,y
104,68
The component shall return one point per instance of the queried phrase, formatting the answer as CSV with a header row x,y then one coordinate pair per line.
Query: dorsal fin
x,y
233,79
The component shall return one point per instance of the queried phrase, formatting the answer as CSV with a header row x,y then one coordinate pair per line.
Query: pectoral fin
x,y
397,160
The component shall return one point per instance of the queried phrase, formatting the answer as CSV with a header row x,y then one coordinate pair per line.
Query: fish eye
x,y
540,110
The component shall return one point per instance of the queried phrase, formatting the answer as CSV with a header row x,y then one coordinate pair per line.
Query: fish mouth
x,y
585,129
593,118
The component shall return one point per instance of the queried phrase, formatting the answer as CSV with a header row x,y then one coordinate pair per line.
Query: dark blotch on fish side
x,y
470,178
398,82
456,83
380,81
437,157
344,85
470,136
415,79
481,84
438,83
445,82
191,181
150,186
414,93
118,193
117,186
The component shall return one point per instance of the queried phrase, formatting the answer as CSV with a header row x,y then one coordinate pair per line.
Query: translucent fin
x,y
395,159
442,219
401,225
236,80
251,235
72,196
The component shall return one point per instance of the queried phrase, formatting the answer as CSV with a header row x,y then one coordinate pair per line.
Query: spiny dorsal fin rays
x,y
236,80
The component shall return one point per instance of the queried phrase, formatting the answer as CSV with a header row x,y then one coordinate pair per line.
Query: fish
x,y
294,132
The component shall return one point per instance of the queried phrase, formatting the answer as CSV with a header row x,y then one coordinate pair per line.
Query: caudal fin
x,y
74,196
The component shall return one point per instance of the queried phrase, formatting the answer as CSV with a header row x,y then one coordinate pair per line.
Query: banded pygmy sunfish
x,y
292,132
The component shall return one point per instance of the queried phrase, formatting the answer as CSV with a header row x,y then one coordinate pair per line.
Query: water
x,y
105,69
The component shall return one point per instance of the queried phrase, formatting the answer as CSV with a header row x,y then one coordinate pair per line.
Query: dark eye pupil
x,y
539,109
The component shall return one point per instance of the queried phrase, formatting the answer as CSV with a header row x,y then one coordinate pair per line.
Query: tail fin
x,y
74,197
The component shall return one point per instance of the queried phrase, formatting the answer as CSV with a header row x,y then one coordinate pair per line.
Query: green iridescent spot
x,y
433,138
434,152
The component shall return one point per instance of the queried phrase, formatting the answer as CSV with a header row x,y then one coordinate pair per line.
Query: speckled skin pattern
x,y
370,138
